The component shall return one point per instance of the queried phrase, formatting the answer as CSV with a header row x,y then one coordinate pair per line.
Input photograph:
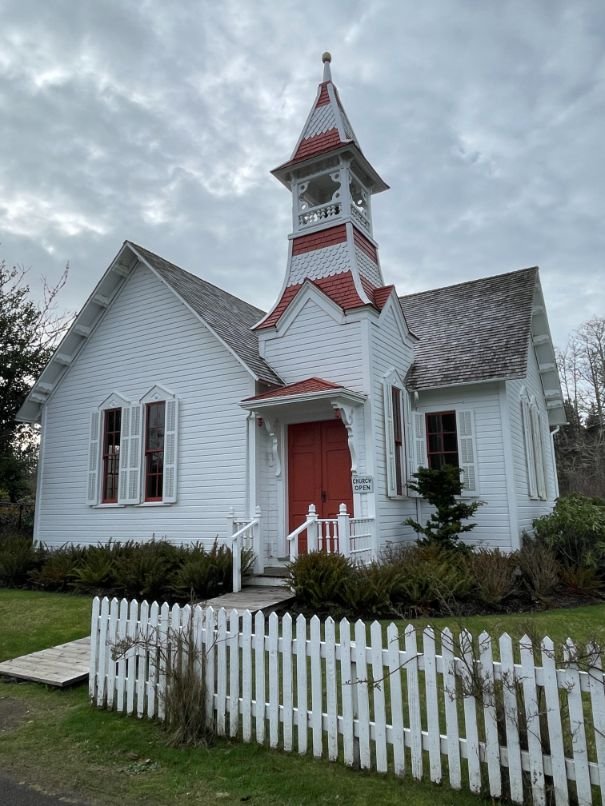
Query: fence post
x,y
344,531
312,527
257,543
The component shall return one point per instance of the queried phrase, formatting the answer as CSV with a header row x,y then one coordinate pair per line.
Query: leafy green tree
x,y
441,487
28,332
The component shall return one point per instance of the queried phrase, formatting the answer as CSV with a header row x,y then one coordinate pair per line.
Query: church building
x,y
172,409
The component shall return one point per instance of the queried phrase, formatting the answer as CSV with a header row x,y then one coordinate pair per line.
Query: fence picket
x,y
411,670
210,659
331,699
469,699
451,708
316,687
259,676
597,701
154,660
380,720
302,719
142,657
273,680
432,705
110,666
361,689
96,625
511,718
247,676
163,639
100,638
553,717
576,724
492,743
221,677
346,693
532,720
234,670
121,672
286,655
394,666
131,654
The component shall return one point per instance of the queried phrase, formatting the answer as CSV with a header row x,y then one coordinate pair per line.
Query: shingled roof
x,y
230,317
472,331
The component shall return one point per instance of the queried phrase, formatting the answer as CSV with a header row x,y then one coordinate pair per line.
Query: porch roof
x,y
308,389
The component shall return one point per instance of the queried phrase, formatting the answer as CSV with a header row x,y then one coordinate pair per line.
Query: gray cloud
x,y
159,122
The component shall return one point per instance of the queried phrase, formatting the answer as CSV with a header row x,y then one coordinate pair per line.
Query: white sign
x,y
363,484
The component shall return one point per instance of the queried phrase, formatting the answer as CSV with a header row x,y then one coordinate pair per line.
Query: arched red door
x,y
319,472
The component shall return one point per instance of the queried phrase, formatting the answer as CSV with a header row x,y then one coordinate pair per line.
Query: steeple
x,y
332,183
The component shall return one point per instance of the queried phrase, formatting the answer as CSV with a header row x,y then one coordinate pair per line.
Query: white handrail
x,y
236,540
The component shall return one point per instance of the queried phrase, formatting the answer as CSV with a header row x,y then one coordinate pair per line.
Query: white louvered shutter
x,y
538,452
130,455
170,451
389,440
94,444
420,440
467,454
408,430
529,449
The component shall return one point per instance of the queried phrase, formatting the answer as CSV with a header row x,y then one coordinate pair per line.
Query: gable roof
x,y
228,316
308,386
472,331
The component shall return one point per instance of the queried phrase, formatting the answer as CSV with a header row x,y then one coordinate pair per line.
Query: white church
x,y
172,409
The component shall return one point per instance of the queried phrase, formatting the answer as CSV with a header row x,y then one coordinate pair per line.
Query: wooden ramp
x,y
253,598
62,665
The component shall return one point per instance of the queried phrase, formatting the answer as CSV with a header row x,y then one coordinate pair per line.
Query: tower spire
x,y
326,59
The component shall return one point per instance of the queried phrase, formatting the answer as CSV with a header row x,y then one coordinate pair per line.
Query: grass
x,y
60,743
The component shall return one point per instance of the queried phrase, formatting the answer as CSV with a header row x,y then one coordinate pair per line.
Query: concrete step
x,y
272,576
253,598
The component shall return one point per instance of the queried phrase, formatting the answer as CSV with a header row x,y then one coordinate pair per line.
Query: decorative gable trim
x,y
391,305
308,292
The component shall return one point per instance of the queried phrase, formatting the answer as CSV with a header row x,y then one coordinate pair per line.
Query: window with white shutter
x,y
104,450
92,496
448,438
535,459
467,455
159,441
130,456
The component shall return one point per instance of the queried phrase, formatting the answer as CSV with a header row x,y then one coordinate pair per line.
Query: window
x,y
132,450
154,450
111,455
441,439
395,399
398,438
534,447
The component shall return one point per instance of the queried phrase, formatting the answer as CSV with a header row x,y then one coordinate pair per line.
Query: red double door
x,y
319,472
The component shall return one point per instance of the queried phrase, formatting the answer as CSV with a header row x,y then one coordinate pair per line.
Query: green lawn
x,y
55,740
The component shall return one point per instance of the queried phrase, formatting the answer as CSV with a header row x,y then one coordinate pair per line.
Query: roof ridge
x,y
196,277
470,282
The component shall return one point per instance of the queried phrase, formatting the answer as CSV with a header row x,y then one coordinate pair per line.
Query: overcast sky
x,y
159,122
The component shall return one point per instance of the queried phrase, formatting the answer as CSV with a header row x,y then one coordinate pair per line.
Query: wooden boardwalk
x,y
253,598
62,665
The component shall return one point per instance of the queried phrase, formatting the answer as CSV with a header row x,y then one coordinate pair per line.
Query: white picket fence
x,y
440,707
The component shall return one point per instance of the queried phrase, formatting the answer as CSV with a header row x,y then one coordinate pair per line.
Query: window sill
x,y
107,506
155,504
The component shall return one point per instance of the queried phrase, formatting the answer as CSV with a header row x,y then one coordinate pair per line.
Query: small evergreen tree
x,y
441,487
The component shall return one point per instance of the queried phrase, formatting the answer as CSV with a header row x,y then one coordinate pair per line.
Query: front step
x,y
272,576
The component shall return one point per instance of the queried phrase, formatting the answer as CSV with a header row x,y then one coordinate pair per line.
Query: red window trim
x,y
111,458
150,453
442,432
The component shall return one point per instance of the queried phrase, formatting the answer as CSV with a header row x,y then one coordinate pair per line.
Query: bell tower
x,y
332,184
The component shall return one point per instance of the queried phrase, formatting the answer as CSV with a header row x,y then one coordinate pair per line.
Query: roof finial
x,y
326,59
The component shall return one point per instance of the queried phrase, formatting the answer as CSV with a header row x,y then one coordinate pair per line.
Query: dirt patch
x,y
12,714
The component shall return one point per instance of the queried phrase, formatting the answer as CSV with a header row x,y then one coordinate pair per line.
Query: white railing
x,y
520,719
315,215
360,217
245,534
352,537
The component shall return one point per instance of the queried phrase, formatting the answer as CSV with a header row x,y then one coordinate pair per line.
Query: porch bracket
x,y
346,415
271,428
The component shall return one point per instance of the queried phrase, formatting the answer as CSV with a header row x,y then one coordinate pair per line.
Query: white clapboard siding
x,y
508,728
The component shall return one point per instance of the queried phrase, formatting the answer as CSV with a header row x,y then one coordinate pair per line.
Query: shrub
x,y
496,575
442,488
56,571
319,580
18,558
204,574
575,530
582,582
145,570
95,573
539,567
